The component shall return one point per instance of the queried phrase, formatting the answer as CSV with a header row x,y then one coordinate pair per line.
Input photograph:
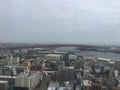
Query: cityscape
x,y
59,67
59,45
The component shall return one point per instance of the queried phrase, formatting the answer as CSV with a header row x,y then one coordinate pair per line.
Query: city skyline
x,y
60,21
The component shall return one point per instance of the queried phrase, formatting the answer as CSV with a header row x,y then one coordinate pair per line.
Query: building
x,y
53,57
66,59
115,88
3,85
29,82
67,74
96,86
53,86
86,85
117,66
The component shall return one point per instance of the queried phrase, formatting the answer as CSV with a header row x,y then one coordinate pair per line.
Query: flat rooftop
x,y
2,81
3,76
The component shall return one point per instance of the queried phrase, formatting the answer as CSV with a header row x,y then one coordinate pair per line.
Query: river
x,y
109,55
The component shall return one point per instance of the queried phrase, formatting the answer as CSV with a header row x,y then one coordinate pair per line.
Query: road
x,y
44,84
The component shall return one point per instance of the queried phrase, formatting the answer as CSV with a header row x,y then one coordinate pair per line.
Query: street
x,y
44,84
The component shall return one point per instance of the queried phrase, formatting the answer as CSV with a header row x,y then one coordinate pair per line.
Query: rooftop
x,y
1,81
87,83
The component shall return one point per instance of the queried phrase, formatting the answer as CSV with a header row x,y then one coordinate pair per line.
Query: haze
x,y
60,21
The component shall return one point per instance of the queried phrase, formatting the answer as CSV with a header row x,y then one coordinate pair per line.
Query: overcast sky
x,y
60,21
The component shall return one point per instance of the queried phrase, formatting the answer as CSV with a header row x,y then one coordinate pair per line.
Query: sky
x,y
60,21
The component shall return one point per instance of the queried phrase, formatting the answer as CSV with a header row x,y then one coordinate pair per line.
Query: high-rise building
x,y
117,66
66,59
67,75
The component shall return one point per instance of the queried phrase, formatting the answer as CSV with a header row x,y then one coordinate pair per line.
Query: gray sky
x,y
60,21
